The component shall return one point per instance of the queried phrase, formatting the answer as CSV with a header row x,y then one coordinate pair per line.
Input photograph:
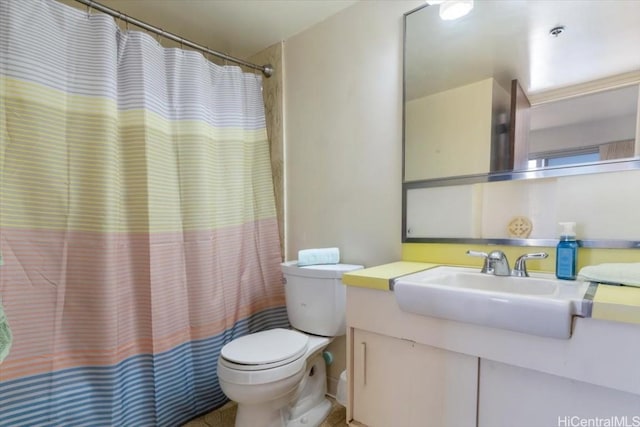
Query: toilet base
x,y
258,416
314,417
266,416
308,405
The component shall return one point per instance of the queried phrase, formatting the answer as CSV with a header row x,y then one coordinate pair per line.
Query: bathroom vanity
x,y
413,370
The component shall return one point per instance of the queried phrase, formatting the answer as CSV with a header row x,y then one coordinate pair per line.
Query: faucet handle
x,y
520,266
477,253
485,266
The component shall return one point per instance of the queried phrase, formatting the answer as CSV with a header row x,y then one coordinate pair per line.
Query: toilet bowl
x,y
272,392
278,376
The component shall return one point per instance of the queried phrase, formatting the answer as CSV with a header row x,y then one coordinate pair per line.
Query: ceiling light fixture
x,y
454,9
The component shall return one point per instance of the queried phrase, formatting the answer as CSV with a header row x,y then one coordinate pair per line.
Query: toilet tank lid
x,y
322,271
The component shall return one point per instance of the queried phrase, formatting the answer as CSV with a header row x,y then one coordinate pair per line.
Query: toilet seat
x,y
265,350
263,357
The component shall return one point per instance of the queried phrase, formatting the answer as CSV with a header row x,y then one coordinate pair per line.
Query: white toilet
x,y
278,377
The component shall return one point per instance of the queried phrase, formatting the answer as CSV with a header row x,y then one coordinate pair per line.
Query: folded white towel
x,y
613,273
318,256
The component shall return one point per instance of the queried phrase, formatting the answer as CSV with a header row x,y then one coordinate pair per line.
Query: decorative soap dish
x,y
519,227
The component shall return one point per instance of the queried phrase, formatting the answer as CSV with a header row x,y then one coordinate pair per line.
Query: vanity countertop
x,y
381,276
615,303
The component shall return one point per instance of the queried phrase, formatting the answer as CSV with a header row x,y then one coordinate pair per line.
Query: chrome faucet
x,y
495,262
520,267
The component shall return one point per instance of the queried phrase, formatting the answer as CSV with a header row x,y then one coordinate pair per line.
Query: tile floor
x,y
226,416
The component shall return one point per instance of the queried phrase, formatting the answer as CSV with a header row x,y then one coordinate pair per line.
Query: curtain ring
x,y
159,35
89,7
119,19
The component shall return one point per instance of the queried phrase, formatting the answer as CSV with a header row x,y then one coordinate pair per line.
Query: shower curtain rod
x,y
267,69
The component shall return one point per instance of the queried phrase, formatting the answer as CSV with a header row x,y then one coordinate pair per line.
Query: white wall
x,y
343,139
453,211
343,133
603,205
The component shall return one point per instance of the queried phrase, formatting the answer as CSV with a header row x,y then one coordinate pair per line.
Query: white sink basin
x,y
539,305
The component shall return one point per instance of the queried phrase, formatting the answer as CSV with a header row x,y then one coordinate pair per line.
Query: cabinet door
x,y
513,396
398,382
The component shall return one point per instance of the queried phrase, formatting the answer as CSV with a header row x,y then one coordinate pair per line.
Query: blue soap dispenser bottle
x,y
567,252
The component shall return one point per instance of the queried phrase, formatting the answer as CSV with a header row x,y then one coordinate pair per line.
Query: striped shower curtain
x,y
137,221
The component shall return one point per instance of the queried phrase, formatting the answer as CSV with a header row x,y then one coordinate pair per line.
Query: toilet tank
x,y
316,297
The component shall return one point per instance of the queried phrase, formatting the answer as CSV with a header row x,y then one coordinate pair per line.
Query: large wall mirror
x,y
575,65
520,89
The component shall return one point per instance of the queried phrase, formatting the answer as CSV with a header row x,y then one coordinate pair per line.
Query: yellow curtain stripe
x,y
76,162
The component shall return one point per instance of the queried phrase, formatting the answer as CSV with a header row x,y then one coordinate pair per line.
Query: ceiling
x,y
239,28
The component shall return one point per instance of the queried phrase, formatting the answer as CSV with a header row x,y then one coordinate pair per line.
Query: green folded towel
x,y
613,273
5,335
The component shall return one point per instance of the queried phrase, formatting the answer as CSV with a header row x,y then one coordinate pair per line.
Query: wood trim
x,y
519,126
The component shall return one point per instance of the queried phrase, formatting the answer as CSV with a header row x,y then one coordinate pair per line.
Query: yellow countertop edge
x,y
617,303
379,277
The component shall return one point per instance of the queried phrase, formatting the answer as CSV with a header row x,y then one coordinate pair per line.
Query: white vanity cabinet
x,y
408,370
512,396
398,382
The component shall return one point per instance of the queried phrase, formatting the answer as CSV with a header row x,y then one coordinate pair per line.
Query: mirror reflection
x,y
589,128
521,84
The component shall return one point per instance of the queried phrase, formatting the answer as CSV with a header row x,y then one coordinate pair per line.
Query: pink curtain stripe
x,y
201,270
